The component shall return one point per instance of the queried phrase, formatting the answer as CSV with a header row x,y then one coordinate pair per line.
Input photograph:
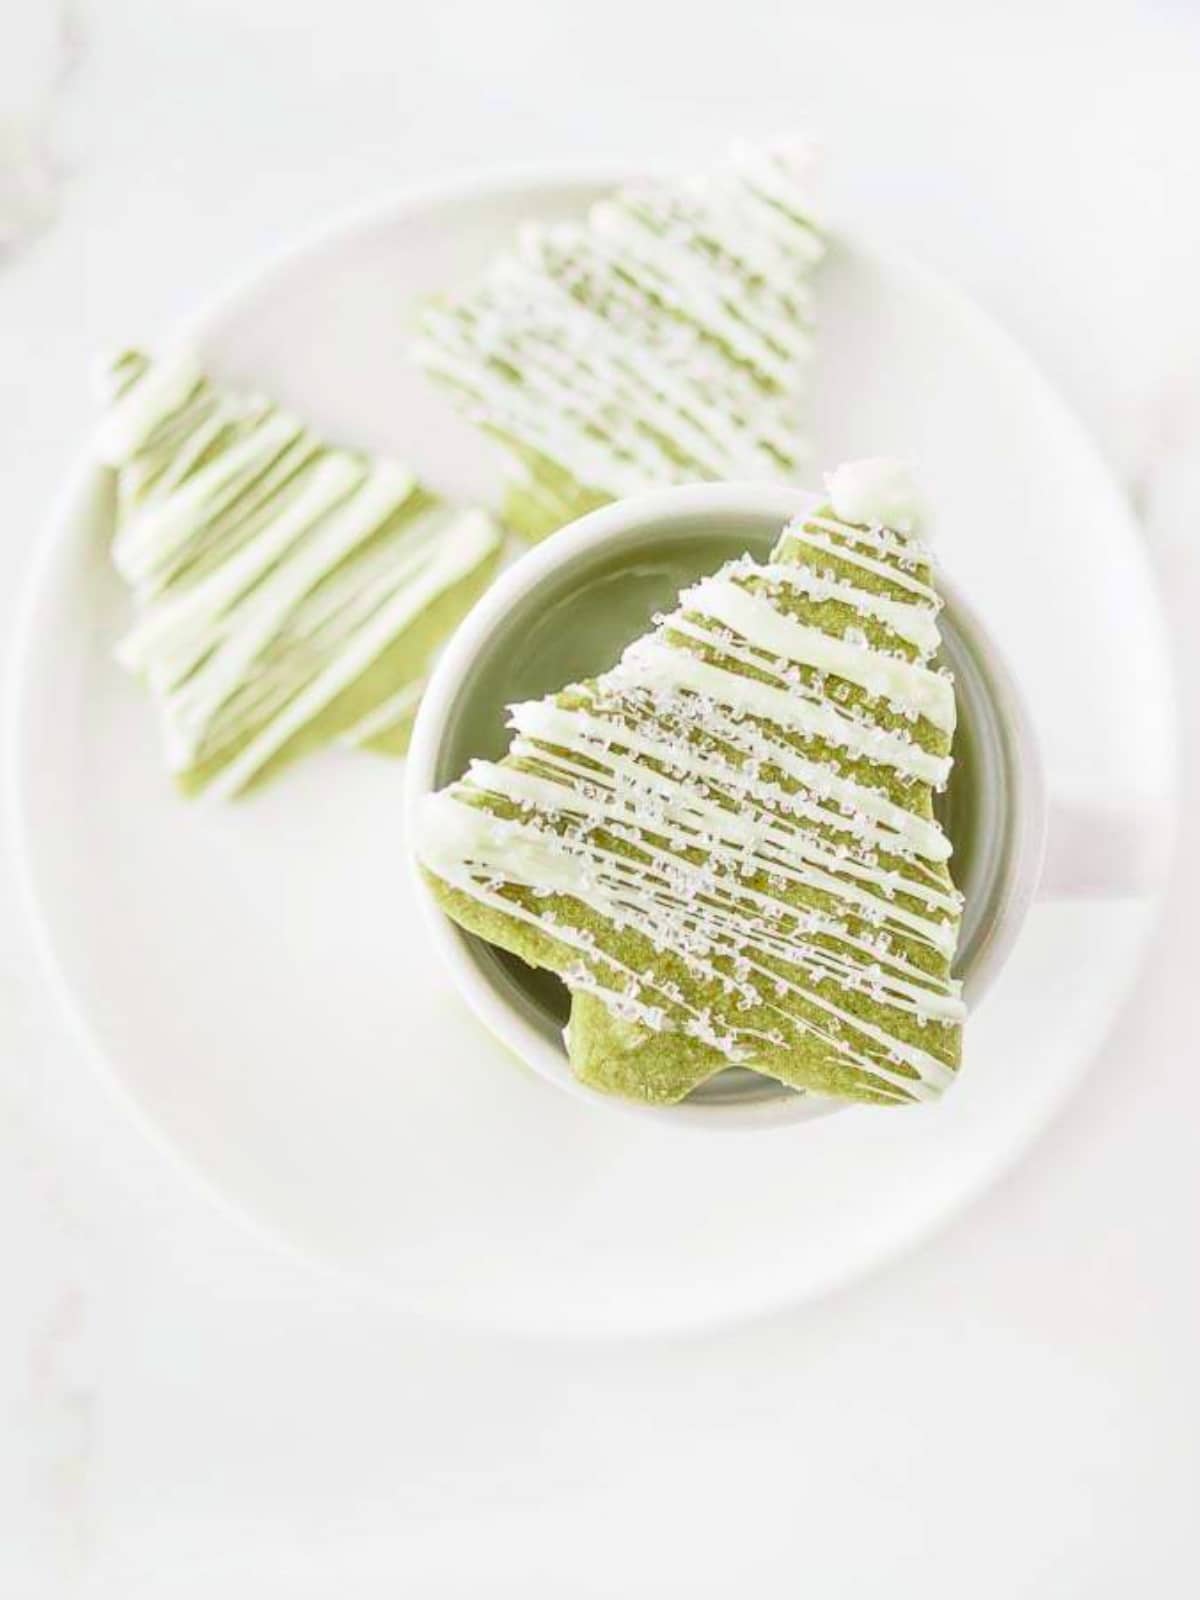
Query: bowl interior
x,y
575,623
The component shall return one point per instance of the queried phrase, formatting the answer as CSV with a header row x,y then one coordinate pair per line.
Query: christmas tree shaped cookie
x,y
287,592
726,845
663,339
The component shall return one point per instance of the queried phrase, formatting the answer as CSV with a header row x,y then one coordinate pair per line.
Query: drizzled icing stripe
x,y
916,624
912,687
662,339
671,669
271,572
361,648
685,801
846,552
840,803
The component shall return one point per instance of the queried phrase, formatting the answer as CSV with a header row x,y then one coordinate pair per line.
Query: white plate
x,y
257,978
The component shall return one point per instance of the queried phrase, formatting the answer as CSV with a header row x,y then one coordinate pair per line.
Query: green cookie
x,y
726,844
287,593
664,339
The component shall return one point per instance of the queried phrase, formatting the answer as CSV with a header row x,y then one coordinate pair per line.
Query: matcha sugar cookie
x,y
665,337
726,845
287,592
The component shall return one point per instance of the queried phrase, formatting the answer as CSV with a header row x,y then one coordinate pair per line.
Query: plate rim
x,y
52,549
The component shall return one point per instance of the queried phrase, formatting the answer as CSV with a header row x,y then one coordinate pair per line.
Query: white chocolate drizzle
x,y
663,339
746,793
271,572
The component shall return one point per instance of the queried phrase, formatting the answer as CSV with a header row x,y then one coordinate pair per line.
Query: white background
x,y
1013,1410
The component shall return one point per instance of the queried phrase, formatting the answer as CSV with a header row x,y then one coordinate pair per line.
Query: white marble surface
x,y
1013,1410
